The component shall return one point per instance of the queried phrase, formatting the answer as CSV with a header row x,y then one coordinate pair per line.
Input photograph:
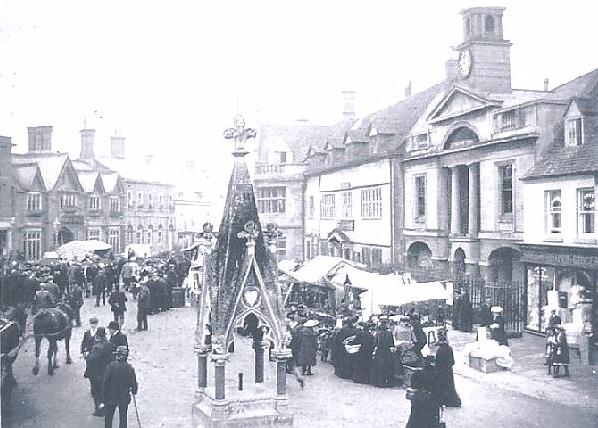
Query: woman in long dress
x,y
382,372
446,392
363,357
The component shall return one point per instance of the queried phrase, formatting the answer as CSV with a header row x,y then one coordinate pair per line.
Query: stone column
x,y
442,204
455,201
474,202
282,355
219,375
202,366
260,353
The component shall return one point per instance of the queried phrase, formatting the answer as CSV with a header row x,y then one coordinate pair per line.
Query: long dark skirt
x,y
445,387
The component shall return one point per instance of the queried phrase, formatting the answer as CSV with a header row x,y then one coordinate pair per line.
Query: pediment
x,y
459,102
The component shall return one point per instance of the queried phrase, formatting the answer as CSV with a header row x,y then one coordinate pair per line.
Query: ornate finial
x,y
240,134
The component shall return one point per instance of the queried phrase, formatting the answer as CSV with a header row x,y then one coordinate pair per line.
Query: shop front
x,y
563,279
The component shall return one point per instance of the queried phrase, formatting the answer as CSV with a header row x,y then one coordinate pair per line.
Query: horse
x,y
54,324
10,339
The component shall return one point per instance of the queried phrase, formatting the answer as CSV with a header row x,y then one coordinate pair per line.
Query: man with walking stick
x,y
119,380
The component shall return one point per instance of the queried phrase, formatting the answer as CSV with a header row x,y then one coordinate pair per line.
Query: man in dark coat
x,y
363,357
98,359
143,306
76,300
100,286
118,305
154,293
117,337
308,347
90,272
89,337
119,381
417,335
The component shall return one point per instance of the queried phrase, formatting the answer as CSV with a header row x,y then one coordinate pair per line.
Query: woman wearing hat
x,y
424,406
382,372
308,347
447,394
560,351
497,327
363,357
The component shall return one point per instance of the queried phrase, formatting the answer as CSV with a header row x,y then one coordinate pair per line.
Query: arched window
x,y
462,136
160,234
140,237
129,234
150,234
489,24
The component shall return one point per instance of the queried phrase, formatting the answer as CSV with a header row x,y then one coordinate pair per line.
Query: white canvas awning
x,y
319,268
372,299
80,249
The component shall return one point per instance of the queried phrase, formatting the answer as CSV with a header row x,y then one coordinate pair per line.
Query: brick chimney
x,y
40,138
348,104
546,81
87,137
117,145
408,90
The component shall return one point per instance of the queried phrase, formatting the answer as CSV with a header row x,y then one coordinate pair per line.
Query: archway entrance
x,y
500,263
459,263
419,256
64,236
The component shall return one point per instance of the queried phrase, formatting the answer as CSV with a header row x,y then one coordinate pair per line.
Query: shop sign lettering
x,y
546,257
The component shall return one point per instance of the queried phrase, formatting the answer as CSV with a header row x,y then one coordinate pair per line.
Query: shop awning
x,y
80,249
372,299
319,268
365,280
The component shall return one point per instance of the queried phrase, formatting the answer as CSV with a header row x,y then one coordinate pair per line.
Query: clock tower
x,y
484,61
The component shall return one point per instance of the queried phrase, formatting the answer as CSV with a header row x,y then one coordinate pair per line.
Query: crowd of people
x,y
30,288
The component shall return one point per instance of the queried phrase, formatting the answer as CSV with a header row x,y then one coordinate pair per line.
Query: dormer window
x,y
420,141
573,132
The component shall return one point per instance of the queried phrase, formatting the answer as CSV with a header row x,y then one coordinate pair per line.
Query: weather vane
x,y
240,134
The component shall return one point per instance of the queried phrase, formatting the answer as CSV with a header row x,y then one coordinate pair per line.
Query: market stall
x,y
311,285
81,249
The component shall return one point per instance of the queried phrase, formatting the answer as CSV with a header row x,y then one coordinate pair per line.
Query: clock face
x,y
465,63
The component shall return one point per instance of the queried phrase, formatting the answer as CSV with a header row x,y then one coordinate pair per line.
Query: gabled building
x,y
278,178
560,240
353,190
146,204
49,201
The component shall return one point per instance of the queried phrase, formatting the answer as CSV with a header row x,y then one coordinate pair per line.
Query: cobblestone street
x,y
166,370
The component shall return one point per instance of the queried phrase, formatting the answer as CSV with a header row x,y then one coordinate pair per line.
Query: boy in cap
x,y
116,336
119,381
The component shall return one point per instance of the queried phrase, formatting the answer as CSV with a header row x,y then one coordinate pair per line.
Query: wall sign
x,y
570,257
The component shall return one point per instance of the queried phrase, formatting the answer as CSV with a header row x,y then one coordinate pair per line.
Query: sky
x,y
171,75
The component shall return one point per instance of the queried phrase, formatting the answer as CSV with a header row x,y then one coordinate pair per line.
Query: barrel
x,y
178,297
